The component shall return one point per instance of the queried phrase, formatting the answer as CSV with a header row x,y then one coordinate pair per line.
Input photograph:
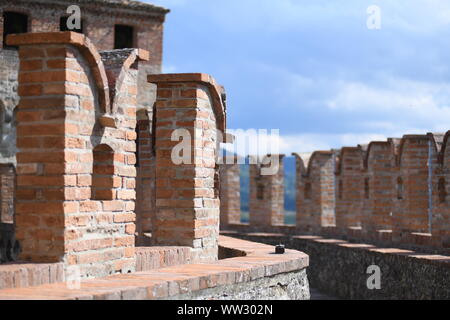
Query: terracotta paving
x,y
260,261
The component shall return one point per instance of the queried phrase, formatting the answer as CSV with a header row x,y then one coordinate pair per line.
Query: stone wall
x,y
349,190
285,286
339,268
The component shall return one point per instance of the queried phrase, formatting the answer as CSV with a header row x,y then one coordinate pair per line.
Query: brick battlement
x,y
389,191
91,178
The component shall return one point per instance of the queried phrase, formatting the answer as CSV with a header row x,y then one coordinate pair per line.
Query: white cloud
x,y
251,143
413,101
380,84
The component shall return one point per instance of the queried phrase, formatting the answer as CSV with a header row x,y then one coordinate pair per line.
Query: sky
x,y
314,70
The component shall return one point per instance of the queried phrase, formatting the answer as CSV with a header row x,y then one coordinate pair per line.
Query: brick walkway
x,y
258,262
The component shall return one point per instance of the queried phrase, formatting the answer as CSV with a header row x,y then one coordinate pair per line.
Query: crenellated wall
x,y
99,18
379,188
230,193
392,192
91,179
189,116
349,188
266,202
75,196
315,191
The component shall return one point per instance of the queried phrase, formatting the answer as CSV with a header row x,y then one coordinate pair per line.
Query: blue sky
x,y
313,69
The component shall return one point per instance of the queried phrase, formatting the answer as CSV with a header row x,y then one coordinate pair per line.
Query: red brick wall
x,y
441,197
316,196
230,194
411,212
187,199
145,180
378,188
349,188
390,192
61,120
99,20
266,200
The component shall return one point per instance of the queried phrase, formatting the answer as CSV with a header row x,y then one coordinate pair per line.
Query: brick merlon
x,y
217,91
86,48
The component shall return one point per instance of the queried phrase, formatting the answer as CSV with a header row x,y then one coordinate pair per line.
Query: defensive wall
x,y
385,203
79,148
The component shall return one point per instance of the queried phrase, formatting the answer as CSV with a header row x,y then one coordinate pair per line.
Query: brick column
x,y
412,185
187,199
266,201
441,198
230,194
349,189
379,190
76,155
316,194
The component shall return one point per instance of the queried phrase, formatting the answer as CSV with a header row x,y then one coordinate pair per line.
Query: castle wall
x,y
266,201
379,188
316,196
76,155
393,192
440,227
411,212
99,20
189,117
349,188
78,135
230,194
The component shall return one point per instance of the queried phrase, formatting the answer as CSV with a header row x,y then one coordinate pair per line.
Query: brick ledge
x,y
259,262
